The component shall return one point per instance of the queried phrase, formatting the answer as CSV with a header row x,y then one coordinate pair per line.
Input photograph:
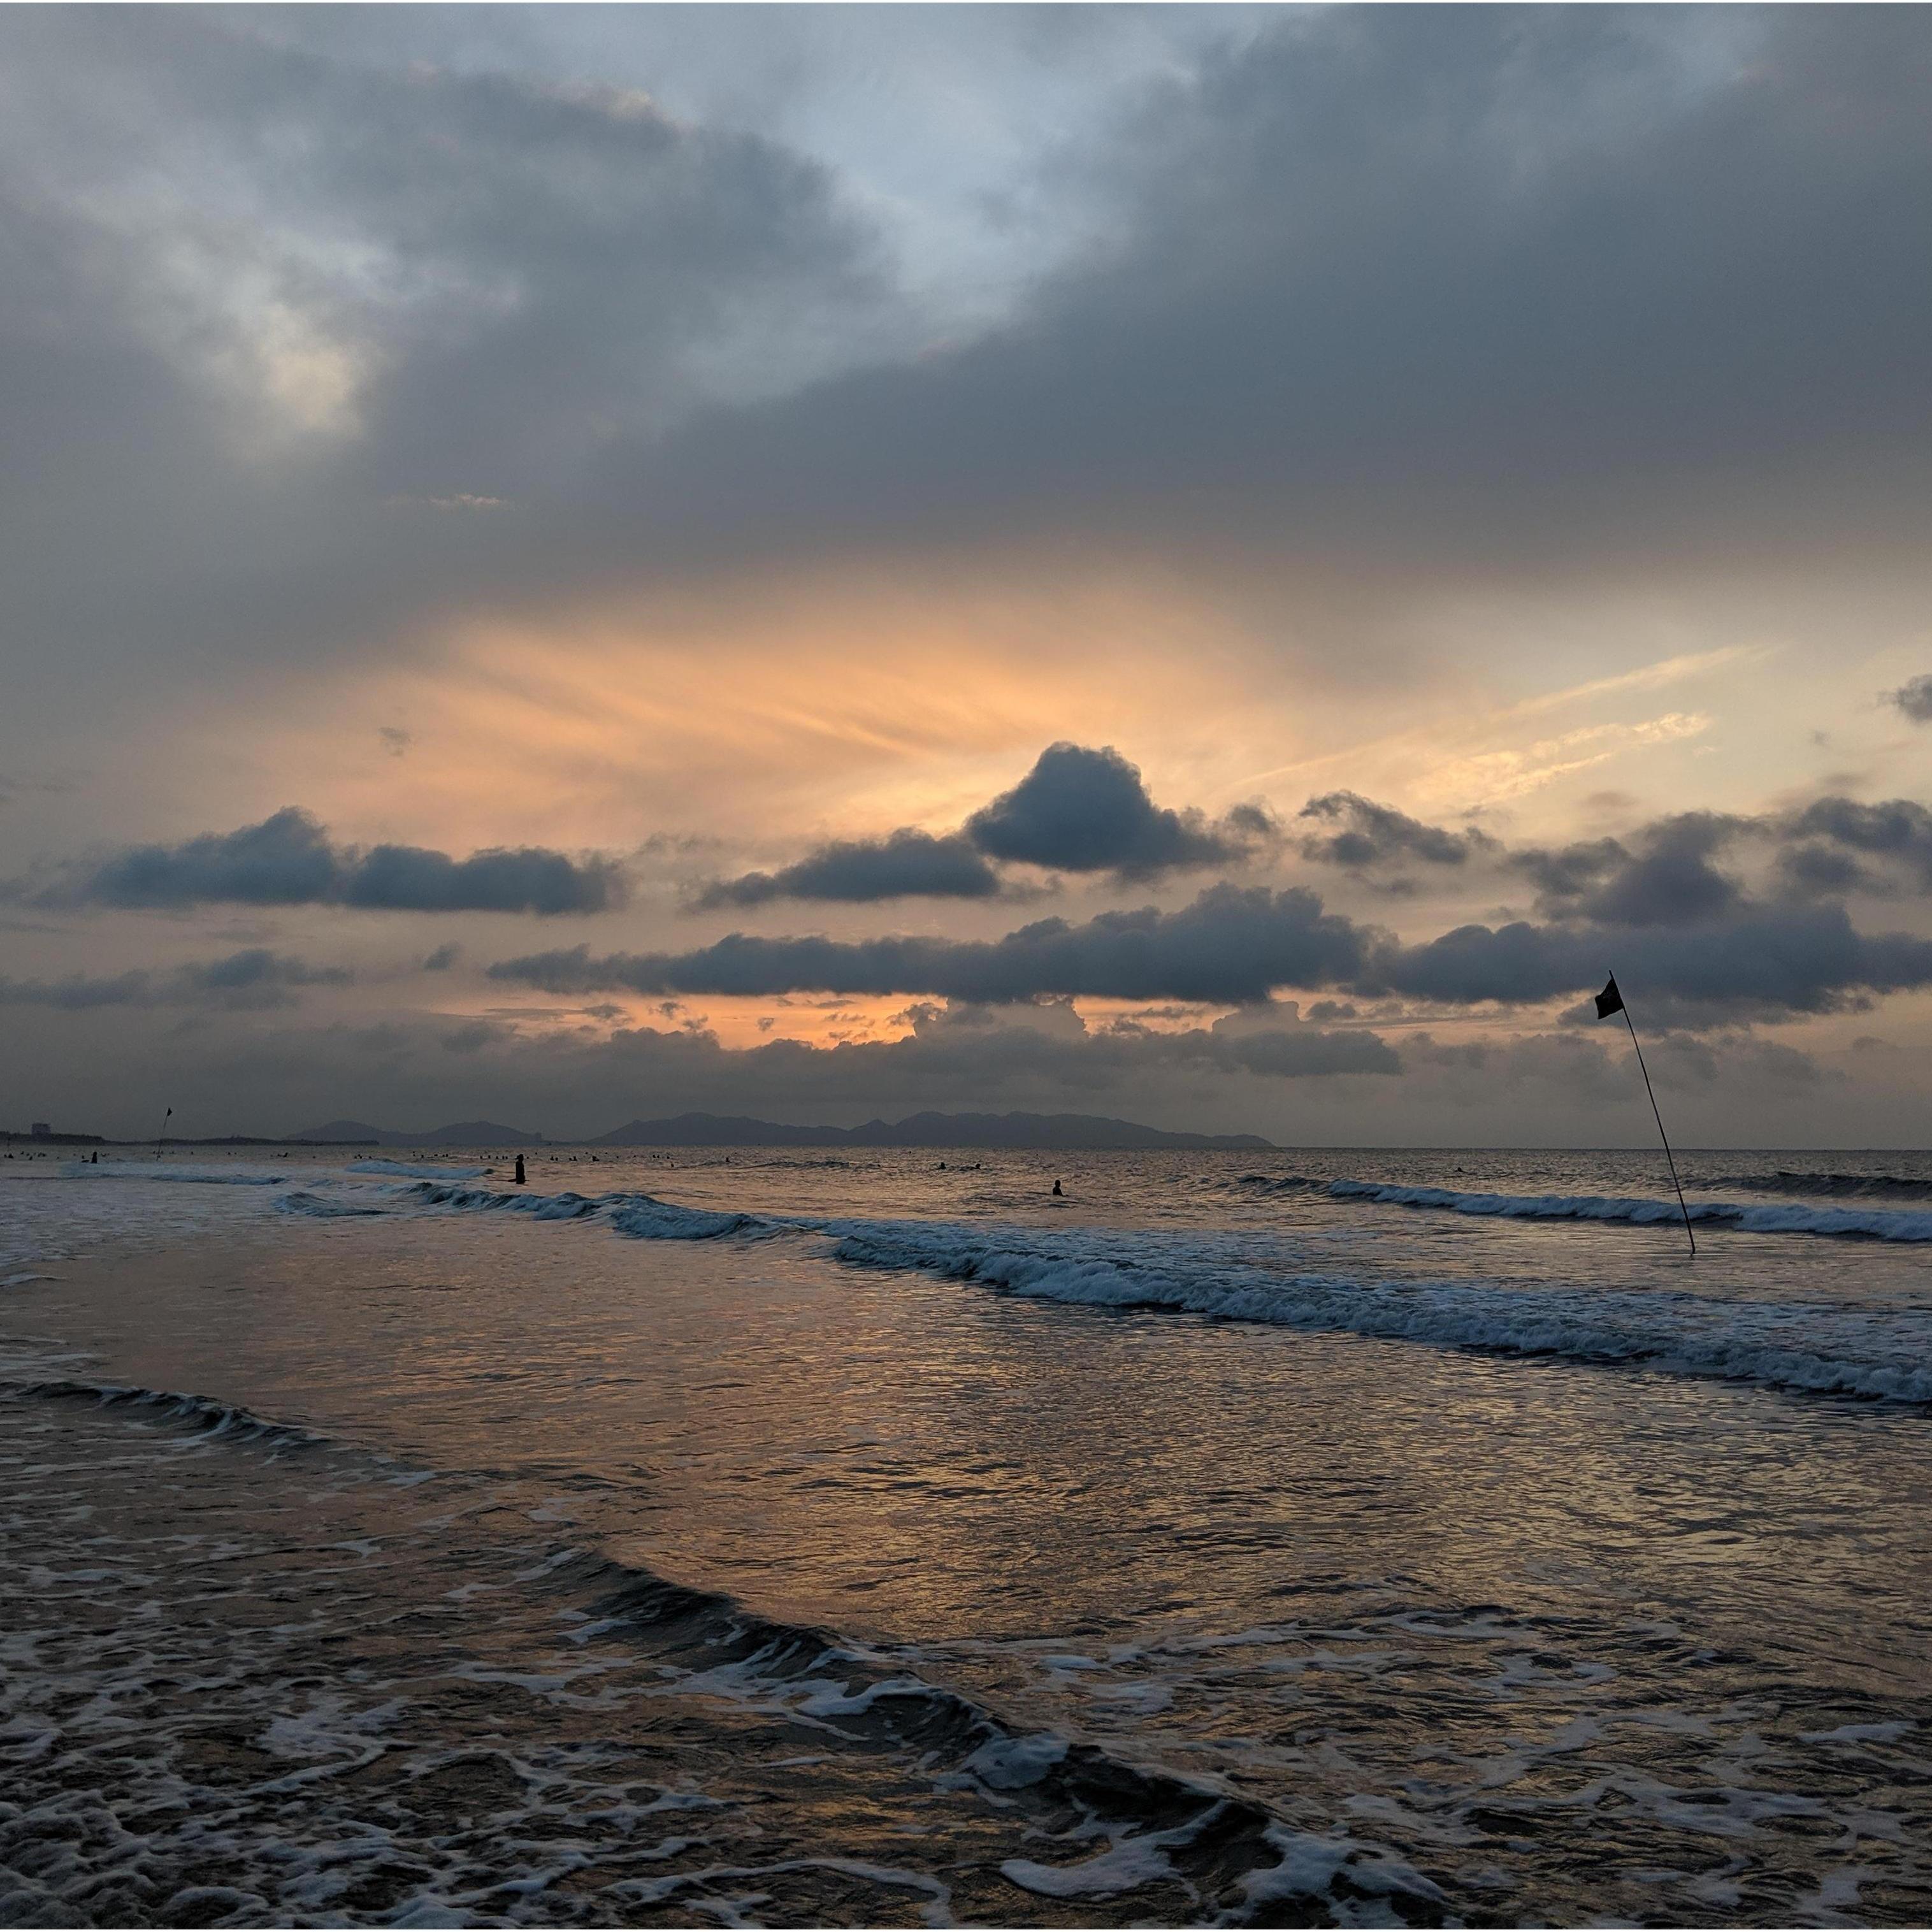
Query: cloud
x,y
1668,879
220,367
1547,288
1084,810
1755,961
1914,698
1666,873
254,978
905,864
1077,811
409,878
1574,1086
289,859
1234,946
1549,285
1229,947
1053,1042
1373,834
1280,1051
1898,829
443,958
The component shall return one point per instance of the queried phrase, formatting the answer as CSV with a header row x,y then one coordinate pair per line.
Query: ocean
x,y
769,1537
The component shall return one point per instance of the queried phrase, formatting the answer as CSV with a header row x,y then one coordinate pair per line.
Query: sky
x,y
1219,565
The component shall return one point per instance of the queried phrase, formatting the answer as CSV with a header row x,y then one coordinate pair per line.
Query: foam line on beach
x,y
1871,1224
1804,1347
1095,1824
1820,1349
1639,1211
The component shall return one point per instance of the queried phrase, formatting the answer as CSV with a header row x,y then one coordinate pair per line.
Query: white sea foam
x,y
1885,1354
641,1216
328,1207
1766,1218
1882,1354
1012,1764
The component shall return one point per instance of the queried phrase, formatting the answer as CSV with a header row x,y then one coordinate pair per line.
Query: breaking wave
x,y
1115,1824
641,1215
1832,1185
327,1207
199,1415
1821,1348
1869,1224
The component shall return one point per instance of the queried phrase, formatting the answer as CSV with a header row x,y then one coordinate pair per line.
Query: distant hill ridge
x,y
917,1130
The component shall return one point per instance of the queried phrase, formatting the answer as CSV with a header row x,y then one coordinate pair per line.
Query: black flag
x,y
1611,1000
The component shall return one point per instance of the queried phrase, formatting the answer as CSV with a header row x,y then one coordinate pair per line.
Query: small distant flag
x,y
1611,1000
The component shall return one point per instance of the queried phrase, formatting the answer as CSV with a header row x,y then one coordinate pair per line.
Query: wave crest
x,y
1817,1349
1829,1184
1871,1224
198,1415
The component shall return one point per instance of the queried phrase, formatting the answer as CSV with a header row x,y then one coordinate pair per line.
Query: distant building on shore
x,y
41,1131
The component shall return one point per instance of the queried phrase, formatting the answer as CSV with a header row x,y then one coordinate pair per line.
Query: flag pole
x,y
1670,1160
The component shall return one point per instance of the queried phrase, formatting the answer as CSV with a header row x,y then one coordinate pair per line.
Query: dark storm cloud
x,y
1368,835
1667,880
1817,871
1757,960
1234,947
1551,280
1084,811
906,864
1229,946
1668,873
1078,810
252,979
1914,698
1532,256
1277,1053
289,859
199,231
1898,829
409,878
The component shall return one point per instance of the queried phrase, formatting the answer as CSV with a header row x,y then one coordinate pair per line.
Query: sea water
x,y
771,1537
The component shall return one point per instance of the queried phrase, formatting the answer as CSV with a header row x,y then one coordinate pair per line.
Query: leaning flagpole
x,y
1611,1000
